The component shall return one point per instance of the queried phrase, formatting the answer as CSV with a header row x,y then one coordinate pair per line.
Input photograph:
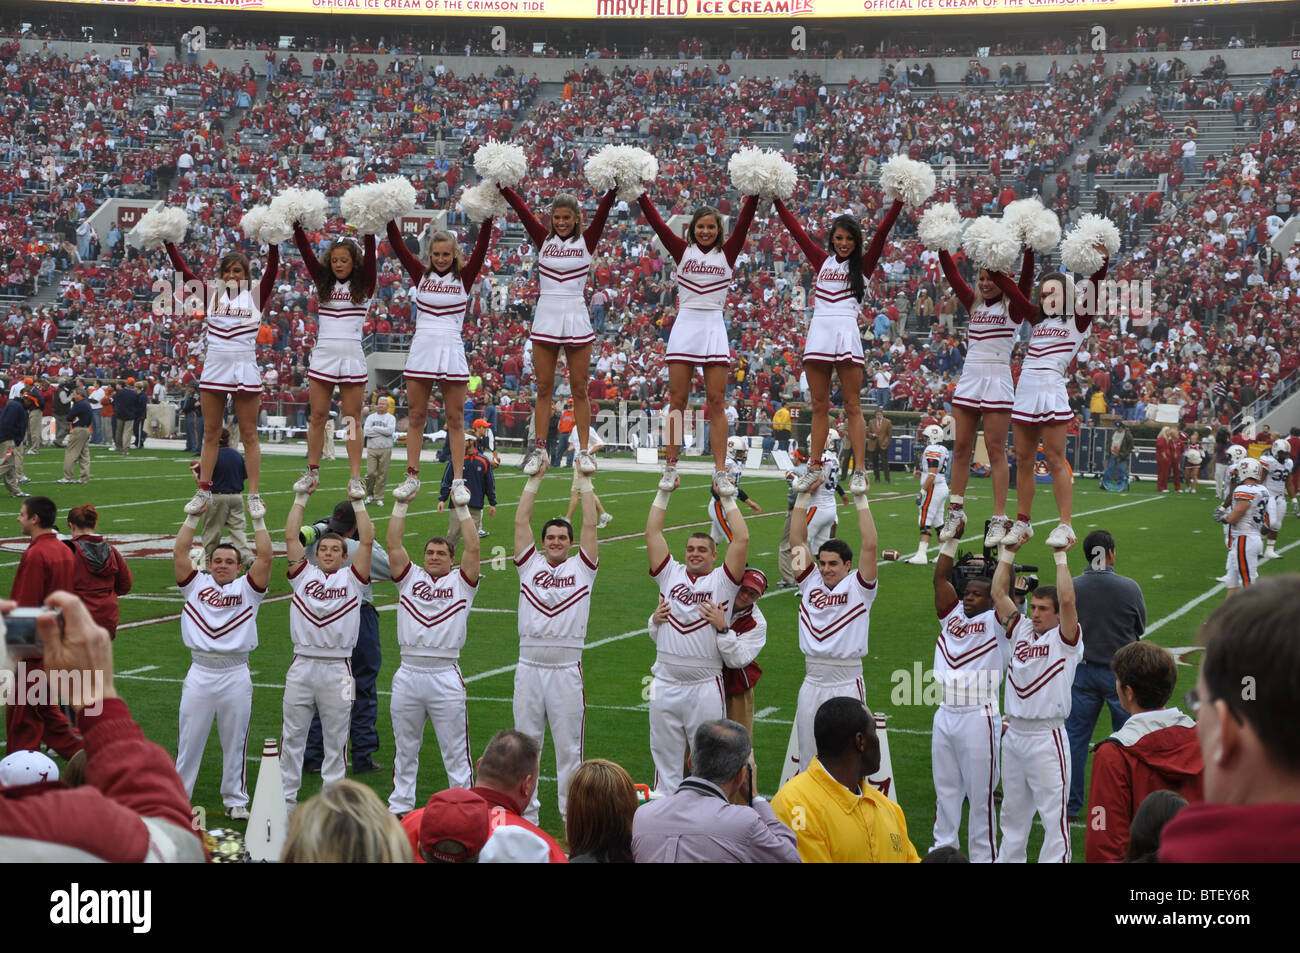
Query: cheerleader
x,y
1041,410
984,390
705,265
344,290
230,365
833,342
441,293
564,256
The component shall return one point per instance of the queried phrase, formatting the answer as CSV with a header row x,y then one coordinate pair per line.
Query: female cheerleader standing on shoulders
x,y
442,287
564,255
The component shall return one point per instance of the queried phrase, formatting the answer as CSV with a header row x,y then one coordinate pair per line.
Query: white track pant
x,y
676,710
1035,778
428,690
821,526
964,755
552,694
822,683
224,692
323,685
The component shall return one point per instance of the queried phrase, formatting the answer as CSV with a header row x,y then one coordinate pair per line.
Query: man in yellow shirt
x,y
837,817
782,428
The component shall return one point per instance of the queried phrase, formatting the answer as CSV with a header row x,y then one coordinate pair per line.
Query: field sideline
x,y
1168,543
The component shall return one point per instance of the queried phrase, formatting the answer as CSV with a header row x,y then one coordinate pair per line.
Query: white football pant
x,y
552,694
1035,778
322,685
676,710
220,689
428,690
823,682
964,755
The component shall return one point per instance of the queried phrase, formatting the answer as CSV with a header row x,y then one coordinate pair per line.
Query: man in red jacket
x,y
1248,723
46,566
1155,750
507,778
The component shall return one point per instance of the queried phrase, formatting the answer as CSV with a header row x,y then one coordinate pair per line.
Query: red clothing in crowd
x,y
503,812
101,576
1153,752
1232,833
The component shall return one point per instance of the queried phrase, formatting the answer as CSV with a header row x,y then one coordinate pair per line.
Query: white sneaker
x,y
670,480
356,489
256,508
308,482
1061,537
918,559
1020,532
459,493
858,483
723,485
997,531
605,520
61,480
585,462
406,491
532,461
199,503
804,481
1223,578
954,524
237,813
1271,553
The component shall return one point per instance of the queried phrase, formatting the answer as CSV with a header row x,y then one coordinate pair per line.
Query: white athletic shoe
x,y
1271,553
585,462
308,482
918,559
1020,532
256,508
237,813
532,461
1061,537
356,489
954,524
199,503
998,527
858,483
670,480
406,490
605,520
459,493
723,485
804,481
1223,578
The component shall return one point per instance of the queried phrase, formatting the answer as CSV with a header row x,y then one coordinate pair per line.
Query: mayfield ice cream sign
x,y
130,545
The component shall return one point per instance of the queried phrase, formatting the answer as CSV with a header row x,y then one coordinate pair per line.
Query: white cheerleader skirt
x,y
437,356
699,338
562,322
338,361
985,387
230,372
1041,398
834,341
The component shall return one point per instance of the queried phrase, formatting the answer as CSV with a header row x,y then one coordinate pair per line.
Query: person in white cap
x,y
514,845
27,767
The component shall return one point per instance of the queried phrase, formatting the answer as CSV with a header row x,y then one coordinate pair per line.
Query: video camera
x,y
983,565
342,521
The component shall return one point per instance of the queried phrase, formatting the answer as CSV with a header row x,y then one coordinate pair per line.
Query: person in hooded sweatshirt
x,y
102,573
1155,750
1248,724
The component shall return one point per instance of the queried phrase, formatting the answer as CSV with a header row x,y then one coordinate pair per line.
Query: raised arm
x,y
1022,309
370,263
309,259
738,549
1003,603
469,274
736,240
589,539
1083,317
675,245
398,558
366,535
801,556
656,546
945,593
591,234
868,558
1065,594
181,562
292,527
536,230
259,574
414,270
179,263
801,238
955,280
524,512
470,558
266,287
871,257
1027,272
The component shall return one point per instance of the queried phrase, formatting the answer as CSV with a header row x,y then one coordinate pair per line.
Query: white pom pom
x,y
1099,229
626,168
501,162
1080,250
275,227
907,179
1042,231
1017,213
940,228
482,202
990,244
253,220
370,207
307,207
159,225
763,173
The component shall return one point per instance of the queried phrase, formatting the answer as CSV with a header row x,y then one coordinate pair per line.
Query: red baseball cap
x,y
457,816
754,579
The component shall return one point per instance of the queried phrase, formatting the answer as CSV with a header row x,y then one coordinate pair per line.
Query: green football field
x,y
1168,543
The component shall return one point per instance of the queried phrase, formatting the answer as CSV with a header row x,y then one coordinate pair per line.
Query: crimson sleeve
x,y
959,286
267,286
470,274
309,260
675,244
806,245
871,257
1107,841
369,265
536,230
1083,318
414,270
1027,272
1022,309
179,263
591,234
731,248
124,581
